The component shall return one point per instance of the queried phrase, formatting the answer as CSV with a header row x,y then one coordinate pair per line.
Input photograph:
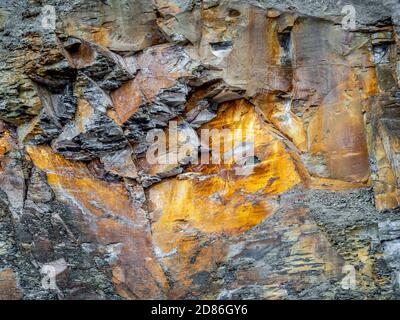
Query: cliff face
x,y
317,216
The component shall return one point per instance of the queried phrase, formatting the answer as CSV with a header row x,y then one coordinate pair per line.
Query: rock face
x,y
110,115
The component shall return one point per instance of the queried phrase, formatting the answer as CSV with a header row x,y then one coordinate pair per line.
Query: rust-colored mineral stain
x,y
84,56
99,35
5,143
215,201
127,100
337,130
136,274
192,202
84,111
279,113
114,220
387,193
158,70
278,169
326,78
73,179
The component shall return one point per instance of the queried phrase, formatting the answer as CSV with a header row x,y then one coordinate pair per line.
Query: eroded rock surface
x,y
88,87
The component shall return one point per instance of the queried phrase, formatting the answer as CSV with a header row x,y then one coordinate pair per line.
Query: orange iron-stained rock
x,y
114,217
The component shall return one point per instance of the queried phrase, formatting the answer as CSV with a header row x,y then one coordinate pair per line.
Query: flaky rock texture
x,y
83,83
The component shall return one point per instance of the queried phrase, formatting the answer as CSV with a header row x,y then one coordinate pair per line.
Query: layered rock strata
x,y
312,213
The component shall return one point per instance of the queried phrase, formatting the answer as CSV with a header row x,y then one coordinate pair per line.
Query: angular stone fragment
x,y
211,93
91,135
57,109
279,113
168,153
107,68
204,116
87,89
156,95
38,190
183,27
120,163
